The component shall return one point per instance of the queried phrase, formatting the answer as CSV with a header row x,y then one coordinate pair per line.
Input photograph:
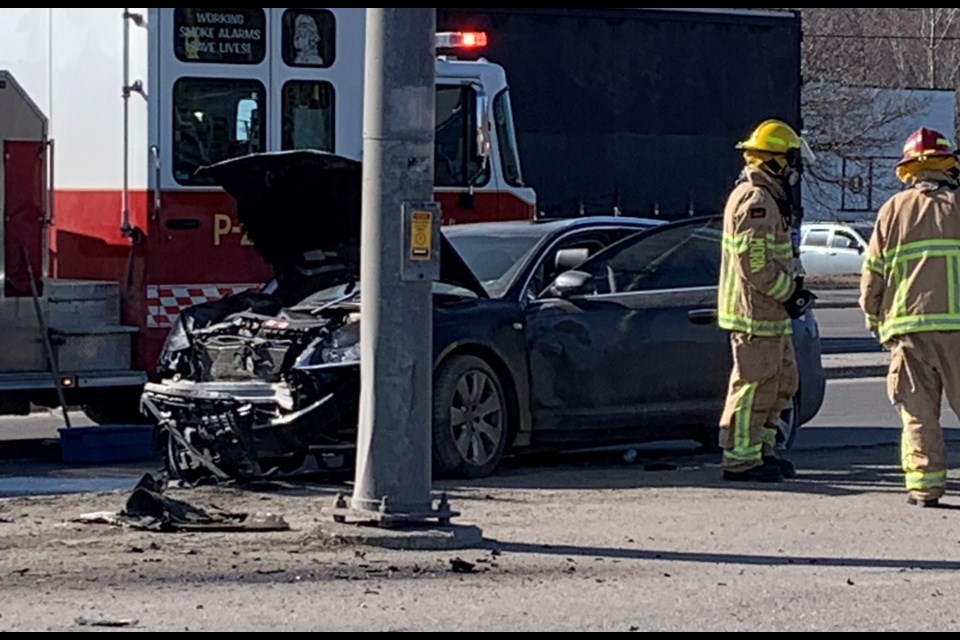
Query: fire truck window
x,y
308,115
507,139
454,165
215,119
309,37
233,36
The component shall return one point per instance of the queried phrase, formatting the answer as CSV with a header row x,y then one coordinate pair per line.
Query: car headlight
x,y
341,354
176,342
343,345
177,339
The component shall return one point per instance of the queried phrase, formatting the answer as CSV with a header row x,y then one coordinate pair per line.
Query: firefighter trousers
x,y
763,382
924,367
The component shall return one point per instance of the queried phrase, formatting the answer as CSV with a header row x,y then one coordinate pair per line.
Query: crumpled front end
x,y
248,395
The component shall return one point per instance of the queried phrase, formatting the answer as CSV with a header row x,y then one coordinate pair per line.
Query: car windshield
x,y
329,294
495,255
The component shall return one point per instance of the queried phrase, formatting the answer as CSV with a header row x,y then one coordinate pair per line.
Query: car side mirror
x,y
570,259
572,283
860,249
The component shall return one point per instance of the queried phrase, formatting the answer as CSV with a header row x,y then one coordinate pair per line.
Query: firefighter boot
x,y
767,472
786,467
935,502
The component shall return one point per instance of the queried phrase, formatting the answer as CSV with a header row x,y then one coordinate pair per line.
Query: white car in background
x,y
834,248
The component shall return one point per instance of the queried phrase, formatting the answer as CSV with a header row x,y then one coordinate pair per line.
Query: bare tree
x,y
852,59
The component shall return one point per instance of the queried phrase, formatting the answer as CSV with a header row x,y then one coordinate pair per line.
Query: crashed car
x,y
254,382
547,335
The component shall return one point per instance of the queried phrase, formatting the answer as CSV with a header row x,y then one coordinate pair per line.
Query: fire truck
x,y
108,233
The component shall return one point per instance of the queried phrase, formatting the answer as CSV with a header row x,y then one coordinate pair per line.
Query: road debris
x,y
147,508
103,622
458,565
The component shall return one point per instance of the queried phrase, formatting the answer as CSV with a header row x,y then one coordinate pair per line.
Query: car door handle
x,y
702,316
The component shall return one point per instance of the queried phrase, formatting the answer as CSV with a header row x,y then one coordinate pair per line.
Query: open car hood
x,y
301,210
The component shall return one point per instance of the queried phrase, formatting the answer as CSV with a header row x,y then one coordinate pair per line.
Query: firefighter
x,y
910,294
759,292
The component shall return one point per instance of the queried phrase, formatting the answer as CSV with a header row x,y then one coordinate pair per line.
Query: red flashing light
x,y
461,40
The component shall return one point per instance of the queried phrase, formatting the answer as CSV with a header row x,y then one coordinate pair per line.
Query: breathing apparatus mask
x,y
795,161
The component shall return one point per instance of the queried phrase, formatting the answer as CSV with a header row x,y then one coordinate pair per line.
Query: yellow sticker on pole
x,y
421,235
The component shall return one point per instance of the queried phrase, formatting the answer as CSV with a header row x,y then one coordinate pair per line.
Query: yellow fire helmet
x,y
776,136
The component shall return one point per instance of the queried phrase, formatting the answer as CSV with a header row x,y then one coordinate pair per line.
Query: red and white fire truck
x,y
118,232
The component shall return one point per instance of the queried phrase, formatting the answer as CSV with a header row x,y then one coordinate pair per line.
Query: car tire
x,y
179,464
470,418
790,418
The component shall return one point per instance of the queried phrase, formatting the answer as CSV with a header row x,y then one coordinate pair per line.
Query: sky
x,y
86,111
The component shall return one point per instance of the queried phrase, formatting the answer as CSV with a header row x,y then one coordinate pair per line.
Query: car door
x,y
845,253
639,347
814,246
563,254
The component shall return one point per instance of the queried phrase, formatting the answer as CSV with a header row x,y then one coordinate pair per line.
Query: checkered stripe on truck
x,y
166,301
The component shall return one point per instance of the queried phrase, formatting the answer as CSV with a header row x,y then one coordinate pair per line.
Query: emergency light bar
x,y
461,40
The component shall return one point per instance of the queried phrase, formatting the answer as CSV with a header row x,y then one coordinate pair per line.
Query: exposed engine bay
x,y
250,393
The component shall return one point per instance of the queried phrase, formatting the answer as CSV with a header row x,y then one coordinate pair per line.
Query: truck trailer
x,y
637,111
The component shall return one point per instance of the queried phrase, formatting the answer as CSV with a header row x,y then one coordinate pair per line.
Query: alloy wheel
x,y
477,417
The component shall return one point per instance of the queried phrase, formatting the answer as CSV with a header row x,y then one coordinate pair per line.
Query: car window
x,y
494,258
843,240
682,256
553,262
816,238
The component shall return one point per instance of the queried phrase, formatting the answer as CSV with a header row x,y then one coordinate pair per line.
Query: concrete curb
x,y
856,371
836,304
425,538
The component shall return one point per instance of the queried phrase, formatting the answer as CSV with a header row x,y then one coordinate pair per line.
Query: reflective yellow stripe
x,y
916,250
920,480
758,255
742,413
783,254
781,288
952,285
899,325
779,141
732,322
737,244
779,250
874,264
733,290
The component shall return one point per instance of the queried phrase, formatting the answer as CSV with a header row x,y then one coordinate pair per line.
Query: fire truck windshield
x,y
509,156
215,119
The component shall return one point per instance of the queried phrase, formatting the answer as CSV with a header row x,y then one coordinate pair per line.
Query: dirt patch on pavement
x,y
850,281
593,504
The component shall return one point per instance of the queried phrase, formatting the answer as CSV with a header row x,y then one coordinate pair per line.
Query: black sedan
x,y
547,335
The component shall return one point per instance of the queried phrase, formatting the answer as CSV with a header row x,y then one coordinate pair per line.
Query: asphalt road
x,y
580,545
843,331
573,544
855,413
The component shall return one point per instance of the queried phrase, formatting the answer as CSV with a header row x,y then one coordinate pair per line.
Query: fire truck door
x,y
23,174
